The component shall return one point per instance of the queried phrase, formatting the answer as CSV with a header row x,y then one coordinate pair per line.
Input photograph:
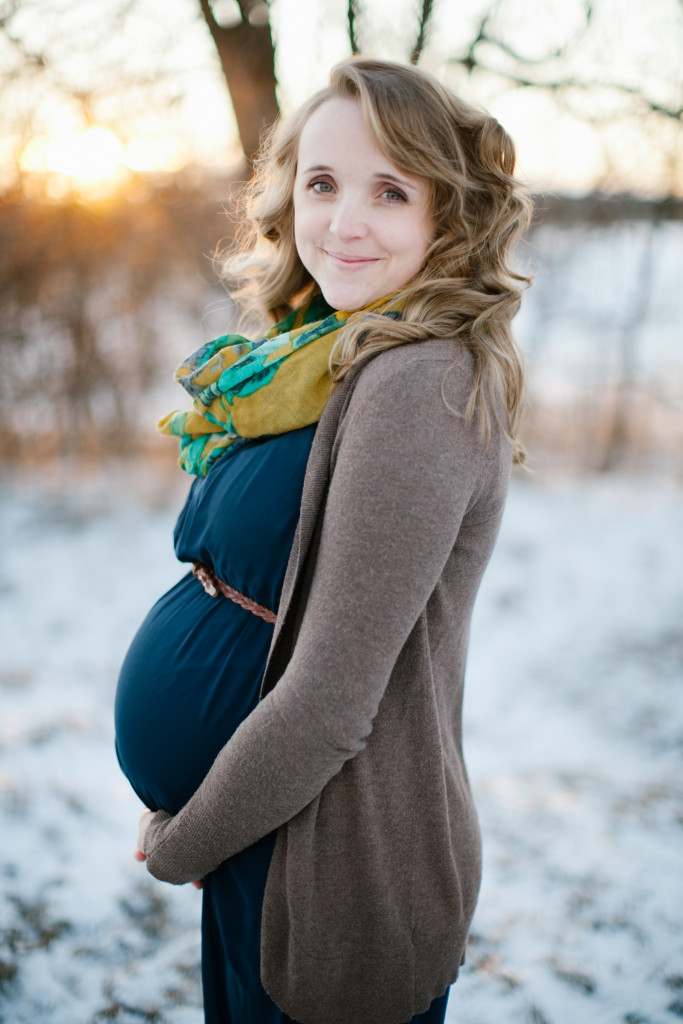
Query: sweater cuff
x,y
146,830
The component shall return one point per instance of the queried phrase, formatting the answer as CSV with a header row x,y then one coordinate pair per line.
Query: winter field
x,y
574,706
574,731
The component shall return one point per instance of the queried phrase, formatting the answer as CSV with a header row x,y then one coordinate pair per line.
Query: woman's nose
x,y
348,221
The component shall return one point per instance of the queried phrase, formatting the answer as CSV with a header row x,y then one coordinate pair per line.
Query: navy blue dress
x,y
191,676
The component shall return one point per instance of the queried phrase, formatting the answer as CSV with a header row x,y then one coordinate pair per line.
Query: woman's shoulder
x,y
424,389
418,368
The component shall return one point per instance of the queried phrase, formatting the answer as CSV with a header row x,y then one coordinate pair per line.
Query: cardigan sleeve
x,y
407,468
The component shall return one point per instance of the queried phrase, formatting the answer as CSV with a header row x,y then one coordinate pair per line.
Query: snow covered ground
x,y
574,732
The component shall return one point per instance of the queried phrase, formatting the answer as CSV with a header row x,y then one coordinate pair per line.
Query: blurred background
x,y
125,131
123,138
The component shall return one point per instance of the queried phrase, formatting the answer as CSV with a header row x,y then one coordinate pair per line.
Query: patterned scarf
x,y
244,389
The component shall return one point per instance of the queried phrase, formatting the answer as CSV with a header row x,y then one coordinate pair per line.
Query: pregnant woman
x,y
290,711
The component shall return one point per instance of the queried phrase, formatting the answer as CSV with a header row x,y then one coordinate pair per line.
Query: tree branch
x,y
36,60
352,14
7,11
207,11
561,51
470,61
485,34
558,85
425,15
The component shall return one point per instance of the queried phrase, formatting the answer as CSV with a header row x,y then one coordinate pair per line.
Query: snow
x,y
574,730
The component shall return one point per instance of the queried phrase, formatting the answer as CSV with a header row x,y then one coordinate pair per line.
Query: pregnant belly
x,y
190,677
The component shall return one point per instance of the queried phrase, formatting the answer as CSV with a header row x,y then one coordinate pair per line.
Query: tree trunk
x,y
621,426
247,58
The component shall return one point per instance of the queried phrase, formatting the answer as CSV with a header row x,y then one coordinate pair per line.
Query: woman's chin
x,y
348,299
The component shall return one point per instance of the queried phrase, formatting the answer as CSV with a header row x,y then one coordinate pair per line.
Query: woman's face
x,y
362,227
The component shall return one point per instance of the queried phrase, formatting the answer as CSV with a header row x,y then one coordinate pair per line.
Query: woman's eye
x,y
393,195
322,187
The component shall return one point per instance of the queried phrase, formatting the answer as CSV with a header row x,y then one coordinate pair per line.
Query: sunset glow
x,y
97,161
93,156
576,139
164,154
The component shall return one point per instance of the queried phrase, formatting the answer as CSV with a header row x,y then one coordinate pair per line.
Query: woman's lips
x,y
350,262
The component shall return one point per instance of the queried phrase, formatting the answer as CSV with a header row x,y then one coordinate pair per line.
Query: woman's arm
x,y
406,472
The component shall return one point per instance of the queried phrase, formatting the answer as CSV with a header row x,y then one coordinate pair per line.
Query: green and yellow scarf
x,y
246,389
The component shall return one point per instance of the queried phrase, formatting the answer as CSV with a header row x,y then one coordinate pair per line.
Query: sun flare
x,y
96,161
96,155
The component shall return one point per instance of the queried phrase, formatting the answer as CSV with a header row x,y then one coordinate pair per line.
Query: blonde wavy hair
x,y
467,288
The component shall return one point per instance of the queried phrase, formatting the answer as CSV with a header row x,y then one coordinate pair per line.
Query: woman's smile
x,y
362,226
351,262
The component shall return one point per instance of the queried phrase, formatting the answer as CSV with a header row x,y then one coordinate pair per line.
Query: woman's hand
x,y
139,855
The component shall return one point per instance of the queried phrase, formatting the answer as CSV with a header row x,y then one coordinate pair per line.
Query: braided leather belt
x,y
213,587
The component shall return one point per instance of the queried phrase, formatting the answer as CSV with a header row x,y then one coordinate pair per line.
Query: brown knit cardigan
x,y
354,752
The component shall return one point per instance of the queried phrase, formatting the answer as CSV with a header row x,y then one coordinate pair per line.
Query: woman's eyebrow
x,y
388,176
379,176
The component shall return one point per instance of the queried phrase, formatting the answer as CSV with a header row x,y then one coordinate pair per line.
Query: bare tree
x,y
631,327
354,13
81,290
490,51
248,61
247,57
